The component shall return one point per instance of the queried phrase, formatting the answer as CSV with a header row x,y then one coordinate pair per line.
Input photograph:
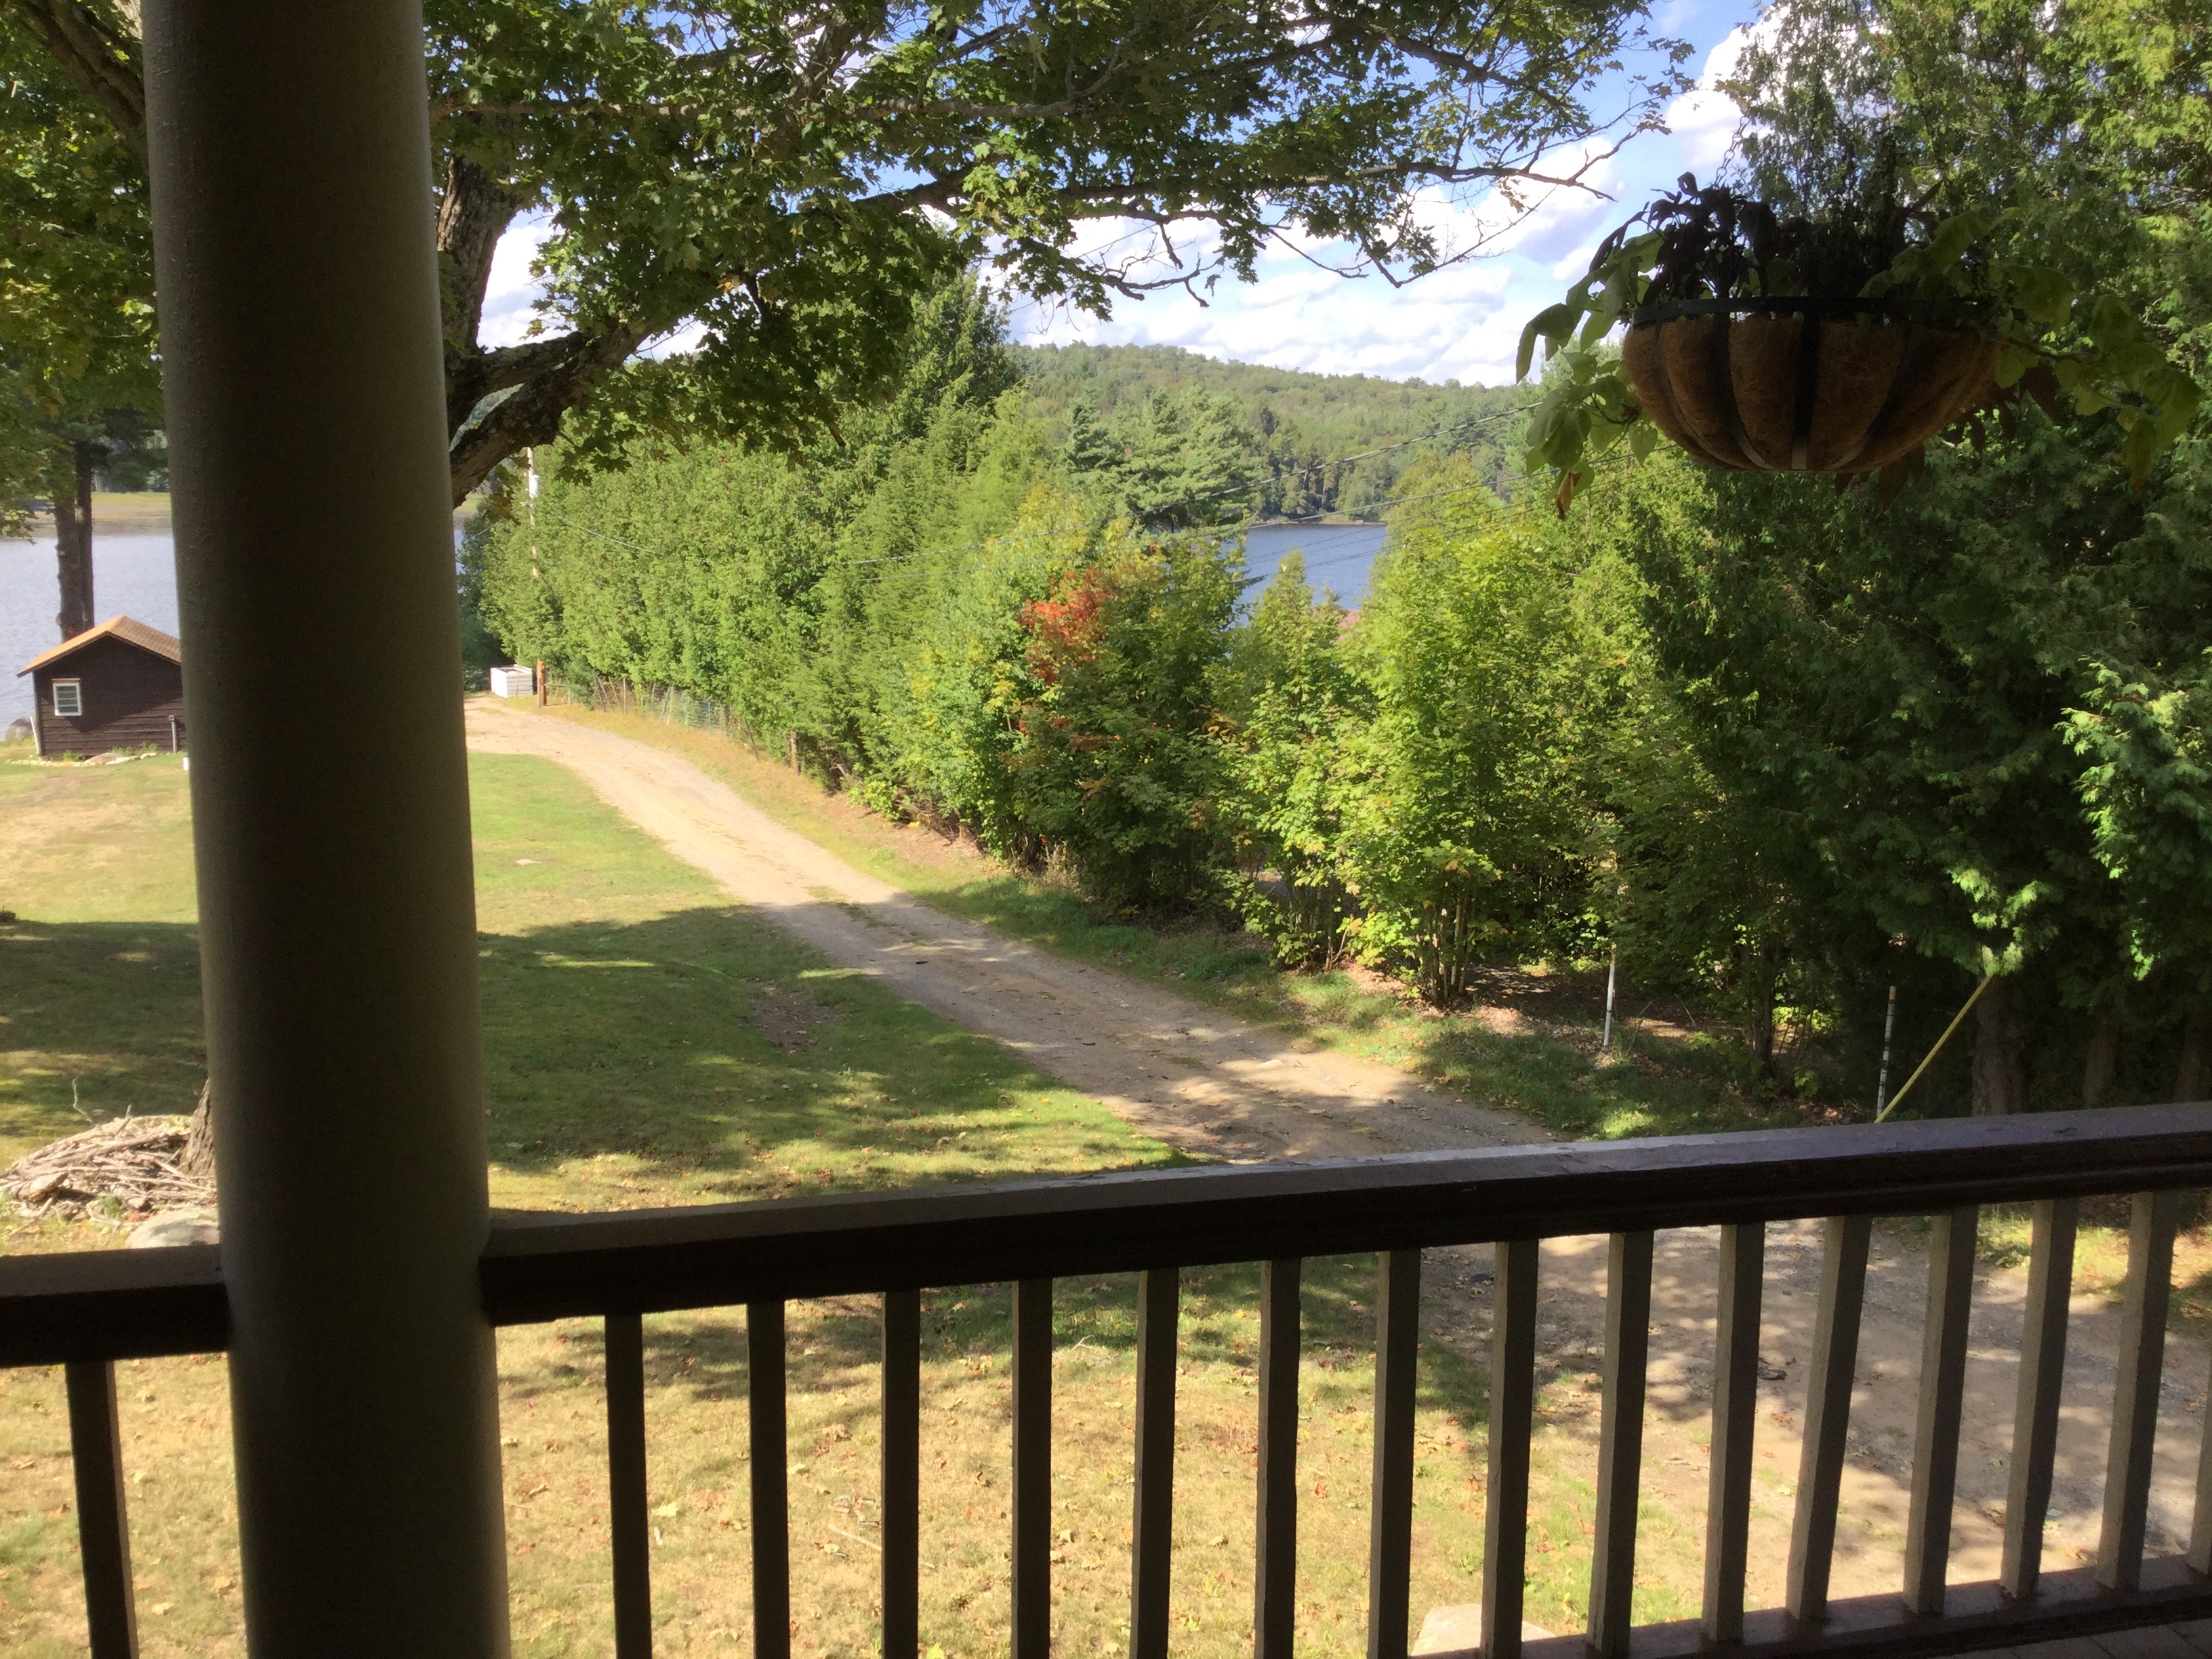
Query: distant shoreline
x,y
145,513
148,514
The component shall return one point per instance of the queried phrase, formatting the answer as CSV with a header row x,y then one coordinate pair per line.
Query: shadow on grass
x,y
707,1049
836,1347
98,1018
696,1056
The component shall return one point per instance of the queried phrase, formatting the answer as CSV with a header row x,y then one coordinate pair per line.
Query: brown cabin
x,y
120,685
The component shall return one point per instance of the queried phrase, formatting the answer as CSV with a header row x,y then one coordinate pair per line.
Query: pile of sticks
x,y
139,1163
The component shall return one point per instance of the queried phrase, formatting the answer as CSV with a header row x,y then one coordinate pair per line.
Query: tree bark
x,y
198,1156
1762,970
73,544
548,378
2000,1086
473,214
2101,1067
2193,1073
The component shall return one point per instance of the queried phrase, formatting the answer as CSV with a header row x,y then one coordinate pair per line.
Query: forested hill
x,y
1304,425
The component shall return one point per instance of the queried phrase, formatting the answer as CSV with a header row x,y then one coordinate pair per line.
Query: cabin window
x,y
68,699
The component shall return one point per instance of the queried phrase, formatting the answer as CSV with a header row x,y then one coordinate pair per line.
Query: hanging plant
x,y
1837,345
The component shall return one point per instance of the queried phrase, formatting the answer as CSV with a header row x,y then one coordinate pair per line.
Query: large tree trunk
x,y
2193,1072
73,544
199,1157
473,214
2101,1067
2000,1052
1762,970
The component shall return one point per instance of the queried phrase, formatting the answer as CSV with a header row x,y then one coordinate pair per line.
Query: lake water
x,y
131,576
1339,557
136,576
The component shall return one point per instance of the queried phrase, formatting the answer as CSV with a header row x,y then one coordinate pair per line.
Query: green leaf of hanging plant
x,y
2014,362
1948,245
1552,324
2044,295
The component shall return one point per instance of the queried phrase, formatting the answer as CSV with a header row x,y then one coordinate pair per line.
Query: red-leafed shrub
x,y
1069,628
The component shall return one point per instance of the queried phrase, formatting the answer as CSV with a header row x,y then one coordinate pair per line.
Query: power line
x,y
1050,535
649,552
1209,495
1186,535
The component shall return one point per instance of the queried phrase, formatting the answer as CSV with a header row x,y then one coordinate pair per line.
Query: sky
x,y
1462,322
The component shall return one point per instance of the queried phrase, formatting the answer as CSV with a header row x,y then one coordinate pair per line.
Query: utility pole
x,y
1888,1024
1611,968
530,503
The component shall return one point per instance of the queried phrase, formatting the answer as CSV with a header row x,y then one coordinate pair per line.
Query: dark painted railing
x,y
85,1311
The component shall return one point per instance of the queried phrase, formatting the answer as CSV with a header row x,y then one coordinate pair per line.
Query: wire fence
x,y
662,702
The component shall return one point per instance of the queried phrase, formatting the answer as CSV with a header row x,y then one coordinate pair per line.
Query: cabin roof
x,y
126,629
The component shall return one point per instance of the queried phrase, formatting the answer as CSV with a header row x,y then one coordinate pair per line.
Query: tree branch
x,y
547,379
97,46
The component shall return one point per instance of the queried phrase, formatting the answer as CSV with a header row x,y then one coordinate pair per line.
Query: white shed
x,y
513,681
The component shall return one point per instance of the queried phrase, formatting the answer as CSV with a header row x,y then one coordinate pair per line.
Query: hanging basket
x,y
1805,385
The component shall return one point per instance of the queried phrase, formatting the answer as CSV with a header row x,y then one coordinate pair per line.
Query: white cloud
x,y
1462,322
1458,324
682,343
511,296
1703,120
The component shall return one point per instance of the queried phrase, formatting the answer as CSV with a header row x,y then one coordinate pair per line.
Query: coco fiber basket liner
x,y
1804,385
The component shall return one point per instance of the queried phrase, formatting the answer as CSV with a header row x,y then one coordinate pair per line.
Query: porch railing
x,y
86,1311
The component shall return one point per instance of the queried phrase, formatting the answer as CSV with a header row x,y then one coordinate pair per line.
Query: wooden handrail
x,y
87,1305
129,1304
550,1267
88,1310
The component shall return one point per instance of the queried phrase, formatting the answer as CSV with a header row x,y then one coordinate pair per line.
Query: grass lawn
x,y
1537,1055
647,1043
628,1007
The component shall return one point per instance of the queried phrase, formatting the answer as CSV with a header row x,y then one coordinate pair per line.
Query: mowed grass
x,y
1547,1068
100,1009
647,1043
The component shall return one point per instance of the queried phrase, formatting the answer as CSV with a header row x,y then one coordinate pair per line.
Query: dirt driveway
x,y
1187,1075
1198,1079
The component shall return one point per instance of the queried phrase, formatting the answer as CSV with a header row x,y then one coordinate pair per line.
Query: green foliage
x,y
933,613
956,618
1305,425
1781,748
1178,459
740,576
1470,834
2148,790
2139,729
1964,724
1114,766
78,343
1290,698
792,182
